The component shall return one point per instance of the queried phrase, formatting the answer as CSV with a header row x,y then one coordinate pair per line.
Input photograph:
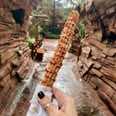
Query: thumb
x,y
46,104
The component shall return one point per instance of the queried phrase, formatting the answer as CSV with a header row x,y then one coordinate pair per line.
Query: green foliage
x,y
52,36
32,31
66,12
46,7
30,42
56,19
82,30
33,28
54,30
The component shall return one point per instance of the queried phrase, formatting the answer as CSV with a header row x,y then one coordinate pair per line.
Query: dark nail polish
x,y
41,95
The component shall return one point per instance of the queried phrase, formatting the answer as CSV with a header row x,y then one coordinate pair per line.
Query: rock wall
x,y
15,62
97,54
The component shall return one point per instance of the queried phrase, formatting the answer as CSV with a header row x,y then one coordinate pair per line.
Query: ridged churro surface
x,y
55,62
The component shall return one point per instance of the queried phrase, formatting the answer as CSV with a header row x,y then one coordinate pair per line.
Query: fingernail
x,y
41,95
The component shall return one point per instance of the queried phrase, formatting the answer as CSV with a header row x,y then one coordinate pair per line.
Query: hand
x,y
65,102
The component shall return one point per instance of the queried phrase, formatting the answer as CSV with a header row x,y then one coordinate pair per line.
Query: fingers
x,y
60,96
43,100
56,92
66,103
46,104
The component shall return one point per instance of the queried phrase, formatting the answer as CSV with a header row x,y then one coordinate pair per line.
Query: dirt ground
x,y
68,80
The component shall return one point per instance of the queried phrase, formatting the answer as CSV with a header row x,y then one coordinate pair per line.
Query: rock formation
x,y
97,54
15,62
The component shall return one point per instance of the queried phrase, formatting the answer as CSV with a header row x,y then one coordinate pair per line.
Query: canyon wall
x,y
96,53
15,61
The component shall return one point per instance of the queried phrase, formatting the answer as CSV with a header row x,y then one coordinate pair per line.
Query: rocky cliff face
x,y
15,62
97,54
